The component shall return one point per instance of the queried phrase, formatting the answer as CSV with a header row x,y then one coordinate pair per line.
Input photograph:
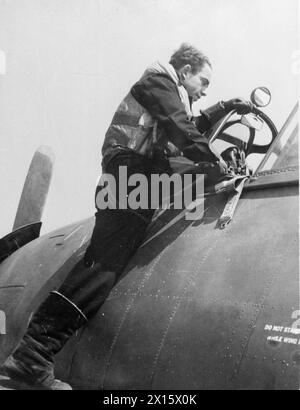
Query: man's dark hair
x,y
188,54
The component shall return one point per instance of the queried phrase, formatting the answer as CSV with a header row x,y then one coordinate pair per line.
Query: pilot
x,y
152,123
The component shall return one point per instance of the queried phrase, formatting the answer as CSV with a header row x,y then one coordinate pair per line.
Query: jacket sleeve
x,y
202,123
159,95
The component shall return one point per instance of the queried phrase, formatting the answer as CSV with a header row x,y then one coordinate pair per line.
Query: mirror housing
x,y
261,96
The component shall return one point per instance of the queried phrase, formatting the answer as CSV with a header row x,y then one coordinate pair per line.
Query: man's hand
x,y
223,168
214,170
214,113
241,106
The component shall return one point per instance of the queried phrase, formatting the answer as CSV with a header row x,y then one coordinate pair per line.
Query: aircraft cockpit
x,y
256,135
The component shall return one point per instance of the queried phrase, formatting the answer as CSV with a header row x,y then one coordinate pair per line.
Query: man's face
x,y
195,84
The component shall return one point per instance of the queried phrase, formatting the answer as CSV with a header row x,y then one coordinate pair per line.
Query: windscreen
x,y
284,150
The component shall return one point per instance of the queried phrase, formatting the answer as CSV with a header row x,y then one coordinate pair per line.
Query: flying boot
x,y
63,312
50,328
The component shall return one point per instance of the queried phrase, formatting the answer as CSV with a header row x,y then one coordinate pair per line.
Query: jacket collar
x,y
165,68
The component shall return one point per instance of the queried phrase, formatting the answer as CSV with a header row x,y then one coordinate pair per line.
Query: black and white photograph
x,y
149,172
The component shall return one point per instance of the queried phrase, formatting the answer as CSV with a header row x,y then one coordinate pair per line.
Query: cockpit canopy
x,y
284,150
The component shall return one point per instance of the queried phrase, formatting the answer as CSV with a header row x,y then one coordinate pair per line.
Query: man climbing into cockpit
x,y
153,123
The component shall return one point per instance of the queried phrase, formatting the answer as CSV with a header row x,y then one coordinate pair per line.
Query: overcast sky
x,y
70,62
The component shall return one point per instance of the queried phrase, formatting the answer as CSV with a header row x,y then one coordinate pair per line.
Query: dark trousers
x,y
116,236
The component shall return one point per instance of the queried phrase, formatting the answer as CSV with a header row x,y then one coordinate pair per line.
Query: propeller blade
x,y
35,188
